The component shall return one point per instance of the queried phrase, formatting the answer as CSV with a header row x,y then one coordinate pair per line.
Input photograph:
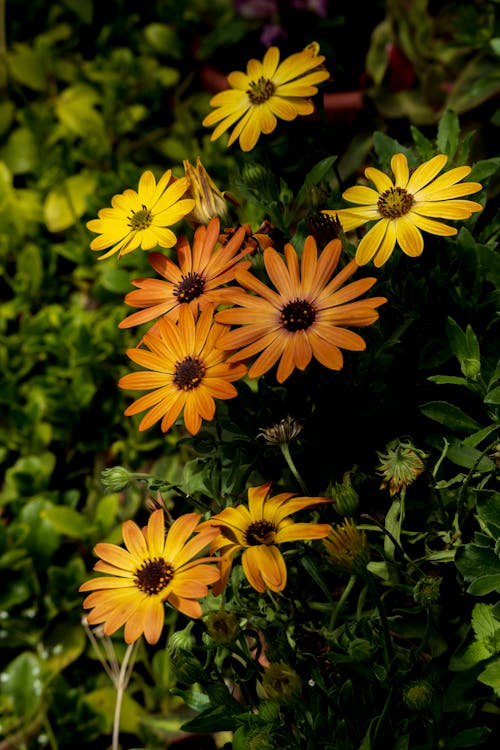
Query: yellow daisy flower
x,y
196,279
152,570
258,530
404,207
268,90
305,318
141,219
185,371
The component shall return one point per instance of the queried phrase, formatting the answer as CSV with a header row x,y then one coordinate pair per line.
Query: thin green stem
x,y
386,641
288,458
337,610
121,686
3,38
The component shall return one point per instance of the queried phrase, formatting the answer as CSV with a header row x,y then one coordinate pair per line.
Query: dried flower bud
x,y
281,433
281,683
222,627
400,466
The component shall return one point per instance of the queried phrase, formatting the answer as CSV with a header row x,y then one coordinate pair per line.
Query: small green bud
x,y
345,496
182,639
116,478
222,627
360,649
426,591
188,669
259,739
471,368
418,695
254,175
286,195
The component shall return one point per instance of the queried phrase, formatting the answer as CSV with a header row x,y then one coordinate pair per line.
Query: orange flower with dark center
x,y
304,318
153,570
185,371
257,531
197,279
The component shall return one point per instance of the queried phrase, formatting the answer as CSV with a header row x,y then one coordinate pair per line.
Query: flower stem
x,y
288,458
121,686
341,602
386,640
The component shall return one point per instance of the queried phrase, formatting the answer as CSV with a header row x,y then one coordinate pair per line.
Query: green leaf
x,y
448,133
27,67
22,684
480,566
493,396
62,646
456,339
67,202
68,521
41,539
102,702
469,738
75,109
491,676
484,623
451,416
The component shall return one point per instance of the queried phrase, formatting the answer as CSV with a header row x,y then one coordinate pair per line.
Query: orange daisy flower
x,y
196,280
305,318
152,570
258,530
185,371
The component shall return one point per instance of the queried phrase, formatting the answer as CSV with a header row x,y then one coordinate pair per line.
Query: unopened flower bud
x,y
418,695
254,175
116,478
345,496
182,639
269,710
426,591
347,547
471,368
209,201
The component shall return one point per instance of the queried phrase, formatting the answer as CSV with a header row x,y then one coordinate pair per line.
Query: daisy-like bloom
x,y
141,219
406,206
185,371
257,530
305,318
196,279
152,570
268,90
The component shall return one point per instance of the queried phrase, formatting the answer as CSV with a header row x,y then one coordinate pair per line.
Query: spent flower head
x,y
209,201
281,433
281,683
400,466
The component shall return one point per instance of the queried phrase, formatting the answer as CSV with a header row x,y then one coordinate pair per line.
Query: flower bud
x,y
418,695
426,591
345,496
470,368
400,466
209,201
347,547
115,479
182,639
254,175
